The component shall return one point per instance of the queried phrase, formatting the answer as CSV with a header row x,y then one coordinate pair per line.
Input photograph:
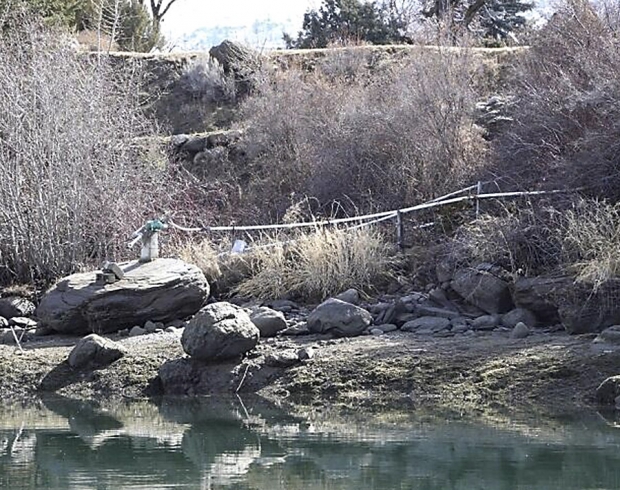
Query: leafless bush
x,y
566,130
524,241
72,186
399,134
204,78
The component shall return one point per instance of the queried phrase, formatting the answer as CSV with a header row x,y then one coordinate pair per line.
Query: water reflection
x,y
207,444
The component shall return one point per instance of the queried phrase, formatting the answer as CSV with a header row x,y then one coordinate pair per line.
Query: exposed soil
x,y
489,372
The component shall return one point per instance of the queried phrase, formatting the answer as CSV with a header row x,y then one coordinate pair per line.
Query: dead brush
x,y
523,241
202,254
592,241
320,264
376,135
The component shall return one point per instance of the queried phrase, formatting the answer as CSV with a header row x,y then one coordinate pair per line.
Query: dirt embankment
x,y
490,372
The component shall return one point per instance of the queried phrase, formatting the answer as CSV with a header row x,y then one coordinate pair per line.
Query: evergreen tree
x,y
496,19
340,21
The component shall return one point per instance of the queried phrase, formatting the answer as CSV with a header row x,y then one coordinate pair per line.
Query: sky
x,y
199,24
187,16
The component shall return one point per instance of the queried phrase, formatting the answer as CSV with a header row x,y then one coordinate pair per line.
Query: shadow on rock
x,y
59,377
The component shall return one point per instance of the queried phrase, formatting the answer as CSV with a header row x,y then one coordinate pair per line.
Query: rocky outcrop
x,y
161,290
239,61
218,332
339,318
95,351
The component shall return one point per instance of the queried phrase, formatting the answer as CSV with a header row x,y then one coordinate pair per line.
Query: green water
x,y
204,444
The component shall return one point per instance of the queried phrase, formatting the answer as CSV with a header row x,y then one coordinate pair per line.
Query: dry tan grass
x,y
592,239
320,264
202,254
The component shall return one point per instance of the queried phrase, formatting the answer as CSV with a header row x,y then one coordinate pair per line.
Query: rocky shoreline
x,y
467,344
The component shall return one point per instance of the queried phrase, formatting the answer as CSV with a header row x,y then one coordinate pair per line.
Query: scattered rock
x,y
610,335
459,328
389,314
426,324
520,331
176,323
339,318
519,315
137,331
4,323
268,321
150,327
387,327
608,391
350,296
171,329
284,305
13,306
160,290
482,288
440,312
376,331
306,353
219,331
485,322
95,351
285,358
298,329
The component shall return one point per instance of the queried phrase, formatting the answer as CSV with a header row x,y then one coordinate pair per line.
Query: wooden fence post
x,y
478,192
400,230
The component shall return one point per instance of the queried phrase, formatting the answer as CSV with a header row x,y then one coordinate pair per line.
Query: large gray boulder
x,y
97,351
482,287
219,331
268,321
161,290
339,318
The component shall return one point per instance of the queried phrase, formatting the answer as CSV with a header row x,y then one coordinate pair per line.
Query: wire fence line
x,y
373,218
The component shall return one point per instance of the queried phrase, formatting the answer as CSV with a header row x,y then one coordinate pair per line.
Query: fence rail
x,y
370,219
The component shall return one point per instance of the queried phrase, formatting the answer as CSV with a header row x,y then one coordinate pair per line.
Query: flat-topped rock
x,y
162,290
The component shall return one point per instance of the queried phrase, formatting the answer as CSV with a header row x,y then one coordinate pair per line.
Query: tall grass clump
x,y
566,129
320,264
592,241
372,135
72,188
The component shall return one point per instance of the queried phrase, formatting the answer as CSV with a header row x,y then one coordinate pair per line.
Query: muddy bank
x,y
489,372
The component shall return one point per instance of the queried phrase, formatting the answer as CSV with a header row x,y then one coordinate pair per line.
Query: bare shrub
x,y
522,241
319,264
73,188
204,79
566,130
400,133
592,241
